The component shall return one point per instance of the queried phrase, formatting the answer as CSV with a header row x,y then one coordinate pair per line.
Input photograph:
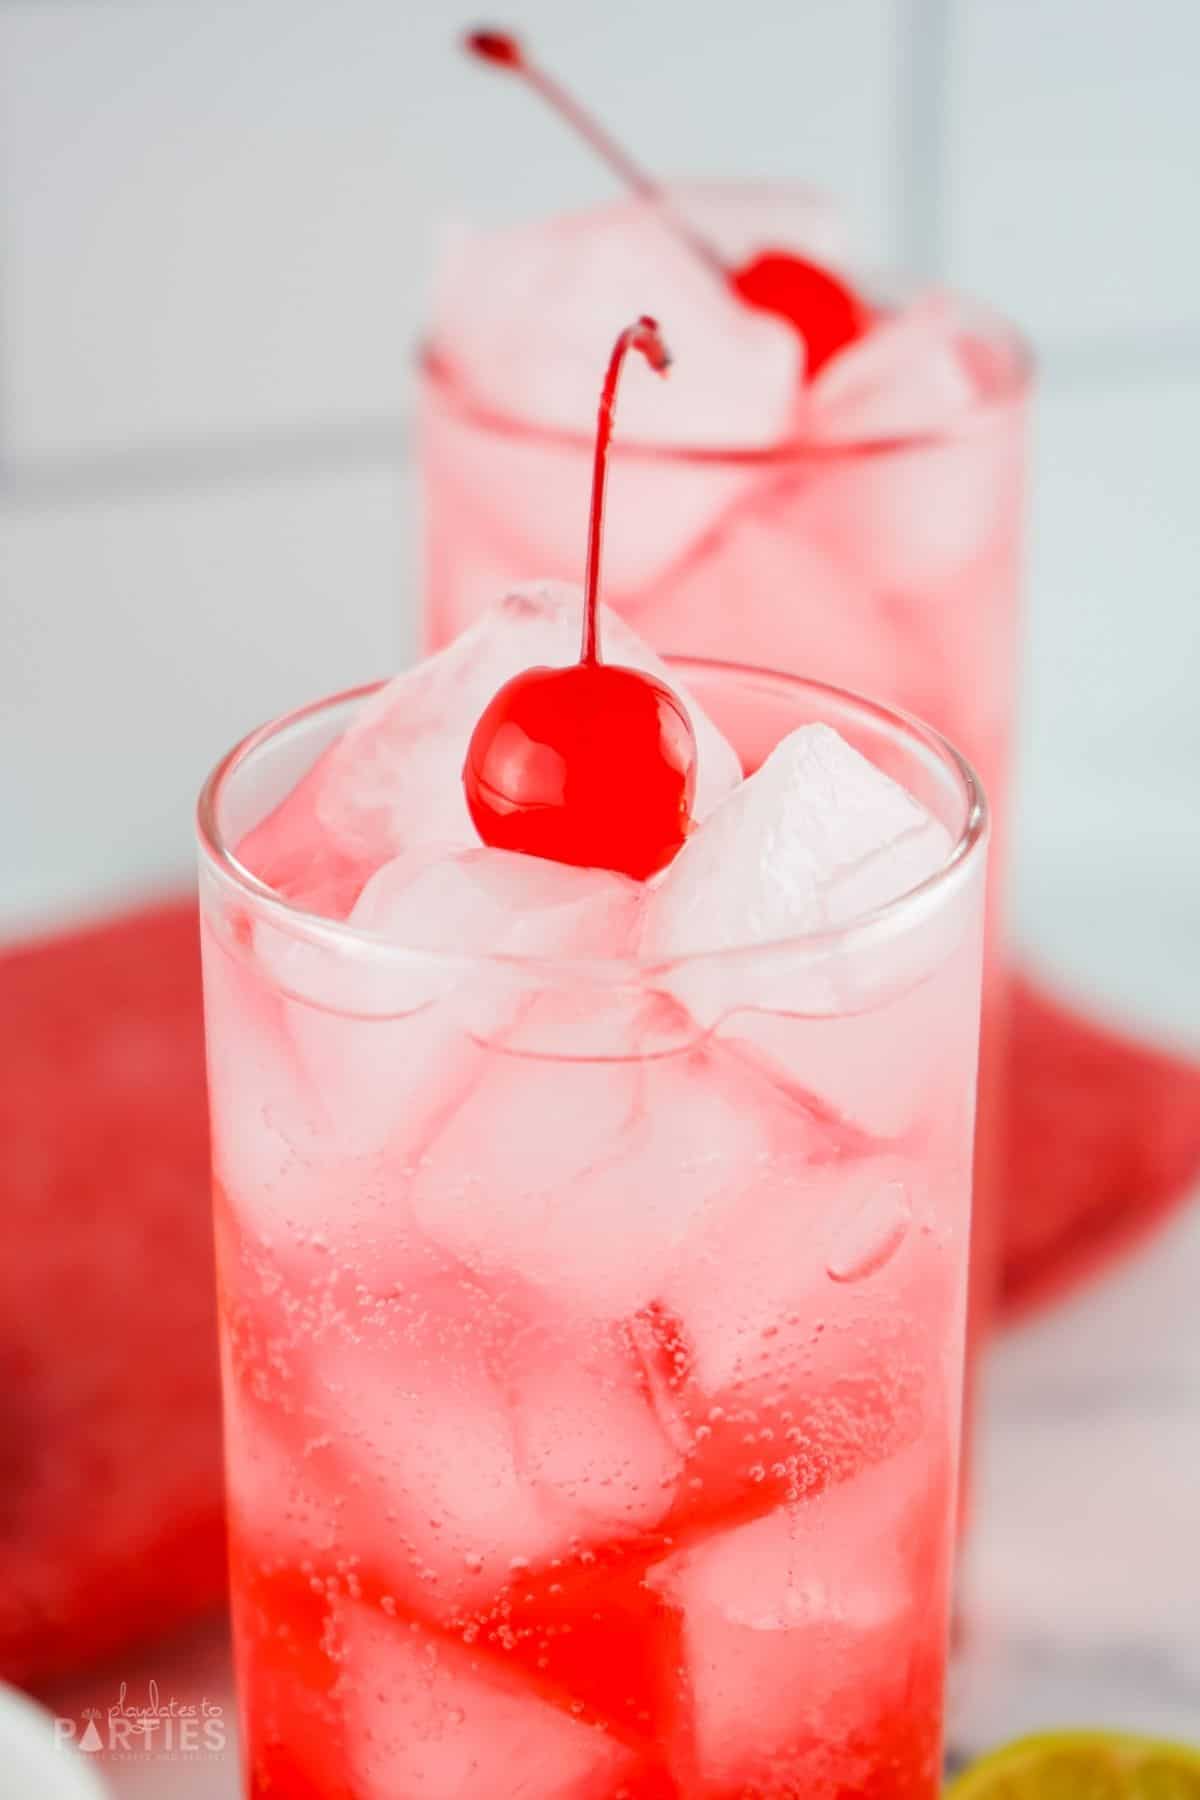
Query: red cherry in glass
x,y
825,312
594,764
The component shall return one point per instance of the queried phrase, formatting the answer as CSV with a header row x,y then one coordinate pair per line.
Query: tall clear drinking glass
x,y
592,1377
889,563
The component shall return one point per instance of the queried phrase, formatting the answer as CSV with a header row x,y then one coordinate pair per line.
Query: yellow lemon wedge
x,y
1082,1765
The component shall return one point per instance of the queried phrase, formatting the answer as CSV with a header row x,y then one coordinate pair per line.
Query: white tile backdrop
x,y
1072,159
216,218
166,625
217,214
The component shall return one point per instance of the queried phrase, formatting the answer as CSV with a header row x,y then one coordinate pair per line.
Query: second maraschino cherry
x,y
594,764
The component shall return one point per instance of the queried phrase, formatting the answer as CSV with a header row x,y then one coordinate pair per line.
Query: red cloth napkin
x,y
110,1486
110,1491
1104,1139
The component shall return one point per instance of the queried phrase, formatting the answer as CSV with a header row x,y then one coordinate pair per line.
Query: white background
x,y
216,217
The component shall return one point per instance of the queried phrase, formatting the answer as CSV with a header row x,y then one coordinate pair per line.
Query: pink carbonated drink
x,y
861,525
592,1251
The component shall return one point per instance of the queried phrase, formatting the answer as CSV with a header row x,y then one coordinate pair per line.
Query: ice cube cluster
x,y
875,493
814,838
392,785
739,375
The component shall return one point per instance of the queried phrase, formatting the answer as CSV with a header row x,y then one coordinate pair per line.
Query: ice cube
x,y
890,575
386,1040
757,1295
817,837
760,588
933,530
736,372
585,1178
275,1510
735,380
522,502
925,521
811,1330
443,914
804,1629
863,569
394,782
587,1433
290,852
375,1432
486,902
391,1043
336,1050
862,1064
427,1717
418,1449
267,1122
905,378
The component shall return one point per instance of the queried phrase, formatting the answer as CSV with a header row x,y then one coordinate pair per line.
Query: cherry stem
x,y
645,336
506,52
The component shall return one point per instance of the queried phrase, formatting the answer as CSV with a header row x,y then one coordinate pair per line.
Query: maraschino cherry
x,y
593,764
826,313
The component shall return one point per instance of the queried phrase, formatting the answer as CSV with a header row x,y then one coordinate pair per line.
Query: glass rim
x,y
437,369
876,923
